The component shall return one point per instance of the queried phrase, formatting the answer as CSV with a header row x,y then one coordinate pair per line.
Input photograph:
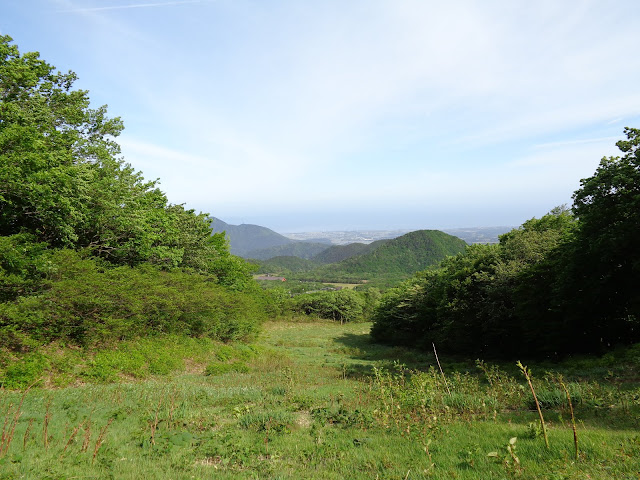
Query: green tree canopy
x,y
62,181
605,271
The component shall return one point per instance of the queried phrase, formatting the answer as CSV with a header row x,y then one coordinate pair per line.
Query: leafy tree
x,y
24,265
62,182
50,145
601,283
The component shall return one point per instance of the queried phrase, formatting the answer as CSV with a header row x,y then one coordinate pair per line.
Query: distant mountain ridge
x,y
246,237
384,262
262,243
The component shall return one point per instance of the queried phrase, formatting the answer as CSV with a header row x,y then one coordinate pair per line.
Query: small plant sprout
x,y
510,459
527,374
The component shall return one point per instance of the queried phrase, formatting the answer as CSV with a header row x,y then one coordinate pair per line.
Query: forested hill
x,y
306,250
262,243
246,237
338,253
403,255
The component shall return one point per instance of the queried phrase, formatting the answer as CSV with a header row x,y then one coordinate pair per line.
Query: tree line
x,y
564,283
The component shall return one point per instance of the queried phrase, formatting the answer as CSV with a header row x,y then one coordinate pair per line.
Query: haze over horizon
x,y
363,115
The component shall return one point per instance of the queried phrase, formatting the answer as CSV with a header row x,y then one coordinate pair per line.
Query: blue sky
x,y
344,115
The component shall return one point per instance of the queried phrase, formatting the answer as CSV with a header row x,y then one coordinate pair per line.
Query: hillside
x,y
304,250
404,255
246,238
338,253
286,264
262,243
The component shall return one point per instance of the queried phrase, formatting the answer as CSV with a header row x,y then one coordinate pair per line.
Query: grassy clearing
x,y
349,286
317,400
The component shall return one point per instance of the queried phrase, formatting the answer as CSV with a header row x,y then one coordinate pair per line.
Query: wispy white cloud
x,y
604,140
132,5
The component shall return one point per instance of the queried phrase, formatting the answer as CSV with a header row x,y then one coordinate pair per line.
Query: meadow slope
x,y
319,401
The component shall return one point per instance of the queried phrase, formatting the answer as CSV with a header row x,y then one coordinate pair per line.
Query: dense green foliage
x,y
560,284
471,303
338,253
338,305
90,252
284,265
306,250
87,304
62,181
604,262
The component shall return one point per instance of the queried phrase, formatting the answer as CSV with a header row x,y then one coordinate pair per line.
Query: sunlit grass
x,y
318,400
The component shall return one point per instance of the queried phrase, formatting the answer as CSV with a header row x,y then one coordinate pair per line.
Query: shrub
x,y
341,305
89,304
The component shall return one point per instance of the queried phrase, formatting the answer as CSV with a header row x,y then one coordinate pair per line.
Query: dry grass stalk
x,y
73,435
5,431
440,367
26,434
100,440
7,434
87,436
45,425
525,371
573,419
154,425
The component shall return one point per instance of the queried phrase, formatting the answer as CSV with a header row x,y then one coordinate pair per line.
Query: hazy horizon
x,y
380,228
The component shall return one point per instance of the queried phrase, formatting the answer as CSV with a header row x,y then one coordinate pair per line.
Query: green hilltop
x,y
404,255
338,253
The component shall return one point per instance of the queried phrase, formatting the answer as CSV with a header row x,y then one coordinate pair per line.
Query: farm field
x,y
319,401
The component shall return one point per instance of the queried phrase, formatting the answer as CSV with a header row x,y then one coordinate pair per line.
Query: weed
x,y
573,419
215,369
274,421
510,460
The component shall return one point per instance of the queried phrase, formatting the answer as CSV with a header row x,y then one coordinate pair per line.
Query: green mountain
x,y
306,250
338,253
401,256
261,243
246,238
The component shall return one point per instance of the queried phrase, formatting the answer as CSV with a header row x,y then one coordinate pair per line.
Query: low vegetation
x,y
319,400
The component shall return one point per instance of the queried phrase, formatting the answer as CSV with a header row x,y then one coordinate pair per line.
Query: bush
x,y
89,304
341,305
24,372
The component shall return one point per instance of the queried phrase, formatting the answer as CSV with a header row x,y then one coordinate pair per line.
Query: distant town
x,y
469,235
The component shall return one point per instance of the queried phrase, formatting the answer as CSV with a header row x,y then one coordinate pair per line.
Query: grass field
x,y
317,400
349,286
